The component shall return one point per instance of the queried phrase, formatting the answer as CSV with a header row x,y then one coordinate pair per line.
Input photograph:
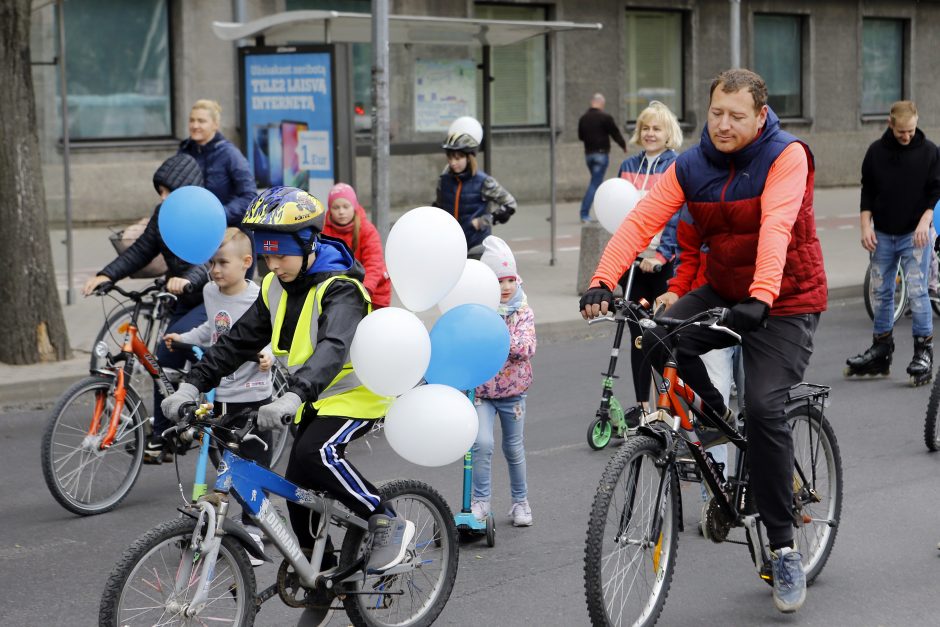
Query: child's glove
x,y
269,416
187,393
502,215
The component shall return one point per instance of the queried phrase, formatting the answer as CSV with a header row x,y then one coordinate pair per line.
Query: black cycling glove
x,y
748,315
596,296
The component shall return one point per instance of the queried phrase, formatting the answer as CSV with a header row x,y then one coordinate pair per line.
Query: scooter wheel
x,y
598,434
490,531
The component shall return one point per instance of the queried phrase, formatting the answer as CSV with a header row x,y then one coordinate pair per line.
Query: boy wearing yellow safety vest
x,y
308,309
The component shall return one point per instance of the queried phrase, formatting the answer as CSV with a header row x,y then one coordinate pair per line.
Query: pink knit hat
x,y
342,190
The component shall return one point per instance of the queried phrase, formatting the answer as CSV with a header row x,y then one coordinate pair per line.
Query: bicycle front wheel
x,y
81,475
630,554
931,433
817,486
158,576
415,597
112,337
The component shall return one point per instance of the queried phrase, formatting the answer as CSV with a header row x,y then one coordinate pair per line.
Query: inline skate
x,y
921,366
874,362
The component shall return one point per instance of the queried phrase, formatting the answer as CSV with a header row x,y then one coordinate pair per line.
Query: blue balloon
x,y
192,223
469,345
936,217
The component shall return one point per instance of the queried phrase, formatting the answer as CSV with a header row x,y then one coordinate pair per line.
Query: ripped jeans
x,y
511,412
916,265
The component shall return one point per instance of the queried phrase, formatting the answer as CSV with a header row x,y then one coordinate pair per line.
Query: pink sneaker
x,y
521,514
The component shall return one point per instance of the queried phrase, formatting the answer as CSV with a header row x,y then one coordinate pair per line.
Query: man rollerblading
x,y
874,362
921,366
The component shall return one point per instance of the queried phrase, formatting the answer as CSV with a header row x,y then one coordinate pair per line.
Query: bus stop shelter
x,y
330,27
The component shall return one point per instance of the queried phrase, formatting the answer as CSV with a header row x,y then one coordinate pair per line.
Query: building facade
x,y
833,68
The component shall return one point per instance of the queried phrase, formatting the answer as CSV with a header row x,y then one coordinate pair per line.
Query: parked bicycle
x,y
92,449
632,537
901,297
196,569
931,428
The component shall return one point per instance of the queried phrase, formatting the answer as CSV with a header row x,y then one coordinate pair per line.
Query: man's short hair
x,y
735,80
241,245
901,111
598,97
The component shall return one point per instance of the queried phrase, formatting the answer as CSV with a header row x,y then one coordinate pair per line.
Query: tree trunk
x,y
30,312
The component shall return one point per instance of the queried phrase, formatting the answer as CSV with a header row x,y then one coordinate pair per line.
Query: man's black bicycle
x,y
632,537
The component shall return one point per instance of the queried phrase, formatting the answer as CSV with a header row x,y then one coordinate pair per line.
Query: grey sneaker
x,y
789,579
390,540
521,514
480,509
713,437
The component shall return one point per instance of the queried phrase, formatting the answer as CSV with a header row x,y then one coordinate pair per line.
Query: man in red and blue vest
x,y
748,186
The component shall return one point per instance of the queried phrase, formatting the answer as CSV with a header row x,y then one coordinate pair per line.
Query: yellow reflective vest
x,y
345,395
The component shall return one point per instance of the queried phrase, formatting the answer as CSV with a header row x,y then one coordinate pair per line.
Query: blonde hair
x,y
213,107
902,110
658,112
241,244
471,160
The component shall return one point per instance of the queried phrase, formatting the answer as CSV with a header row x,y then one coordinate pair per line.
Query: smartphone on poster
x,y
275,155
294,176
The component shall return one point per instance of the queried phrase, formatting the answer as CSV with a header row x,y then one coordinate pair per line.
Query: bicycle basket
x,y
122,240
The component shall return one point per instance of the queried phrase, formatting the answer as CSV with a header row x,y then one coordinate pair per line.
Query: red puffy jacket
x,y
368,252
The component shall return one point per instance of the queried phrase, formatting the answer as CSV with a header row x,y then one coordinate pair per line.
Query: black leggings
x,y
775,358
646,285
318,462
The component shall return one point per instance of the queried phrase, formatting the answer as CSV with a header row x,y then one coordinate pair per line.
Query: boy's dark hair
x,y
737,79
178,171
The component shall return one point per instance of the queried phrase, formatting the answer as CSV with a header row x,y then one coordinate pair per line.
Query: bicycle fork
x,y
205,549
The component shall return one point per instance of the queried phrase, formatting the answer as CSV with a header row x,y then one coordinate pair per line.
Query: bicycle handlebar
x,y
158,286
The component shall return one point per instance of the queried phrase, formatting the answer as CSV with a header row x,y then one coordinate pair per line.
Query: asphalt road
x,y
883,570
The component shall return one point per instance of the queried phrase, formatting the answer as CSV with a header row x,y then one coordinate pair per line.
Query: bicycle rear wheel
x,y
415,597
630,553
900,294
931,433
157,577
818,489
84,478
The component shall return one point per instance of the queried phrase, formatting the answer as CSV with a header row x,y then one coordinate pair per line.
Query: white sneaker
x,y
521,514
480,509
255,534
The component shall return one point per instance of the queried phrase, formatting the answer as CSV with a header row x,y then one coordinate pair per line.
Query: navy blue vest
x,y
470,203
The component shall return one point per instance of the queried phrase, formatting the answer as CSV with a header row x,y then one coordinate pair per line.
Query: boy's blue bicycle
x,y
196,569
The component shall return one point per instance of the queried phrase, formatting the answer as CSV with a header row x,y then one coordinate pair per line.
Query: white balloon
x,y
477,284
466,124
431,425
425,254
390,351
615,198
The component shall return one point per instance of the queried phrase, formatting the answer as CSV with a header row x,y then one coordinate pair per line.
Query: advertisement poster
x,y
445,89
288,118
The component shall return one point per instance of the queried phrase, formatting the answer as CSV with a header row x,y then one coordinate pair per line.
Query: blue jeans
x,y
915,263
597,166
180,322
511,412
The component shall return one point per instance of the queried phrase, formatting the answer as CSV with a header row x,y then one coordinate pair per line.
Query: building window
x,y
118,69
882,64
518,93
654,50
778,58
361,56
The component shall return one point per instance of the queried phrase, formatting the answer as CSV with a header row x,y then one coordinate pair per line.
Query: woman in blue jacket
x,y
224,167
658,134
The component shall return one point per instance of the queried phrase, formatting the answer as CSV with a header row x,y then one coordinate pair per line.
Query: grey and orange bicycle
x,y
632,537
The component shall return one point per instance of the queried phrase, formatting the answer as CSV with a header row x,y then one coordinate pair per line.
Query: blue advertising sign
x,y
288,117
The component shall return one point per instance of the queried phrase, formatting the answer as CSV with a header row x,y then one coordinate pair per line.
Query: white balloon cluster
x,y
426,255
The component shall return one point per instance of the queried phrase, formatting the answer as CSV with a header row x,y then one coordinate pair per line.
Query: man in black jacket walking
x,y
595,128
900,186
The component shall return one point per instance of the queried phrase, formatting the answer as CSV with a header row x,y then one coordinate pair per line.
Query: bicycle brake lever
x,y
608,318
252,436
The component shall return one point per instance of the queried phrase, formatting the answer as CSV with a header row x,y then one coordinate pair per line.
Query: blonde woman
x,y
658,135
224,167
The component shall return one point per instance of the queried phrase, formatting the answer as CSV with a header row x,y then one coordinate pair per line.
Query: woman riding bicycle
x,y
749,188
184,279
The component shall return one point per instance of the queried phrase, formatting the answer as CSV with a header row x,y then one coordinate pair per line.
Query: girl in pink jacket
x,y
504,395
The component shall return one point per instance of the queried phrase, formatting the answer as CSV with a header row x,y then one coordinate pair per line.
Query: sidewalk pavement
x,y
550,287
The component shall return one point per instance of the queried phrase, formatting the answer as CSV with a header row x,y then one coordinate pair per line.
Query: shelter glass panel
x,y
118,69
778,58
882,64
653,67
518,95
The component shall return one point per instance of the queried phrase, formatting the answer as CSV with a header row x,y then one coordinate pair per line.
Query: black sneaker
x,y
711,436
390,540
154,452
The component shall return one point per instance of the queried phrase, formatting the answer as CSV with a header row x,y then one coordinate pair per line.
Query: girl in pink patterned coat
x,y
505,394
